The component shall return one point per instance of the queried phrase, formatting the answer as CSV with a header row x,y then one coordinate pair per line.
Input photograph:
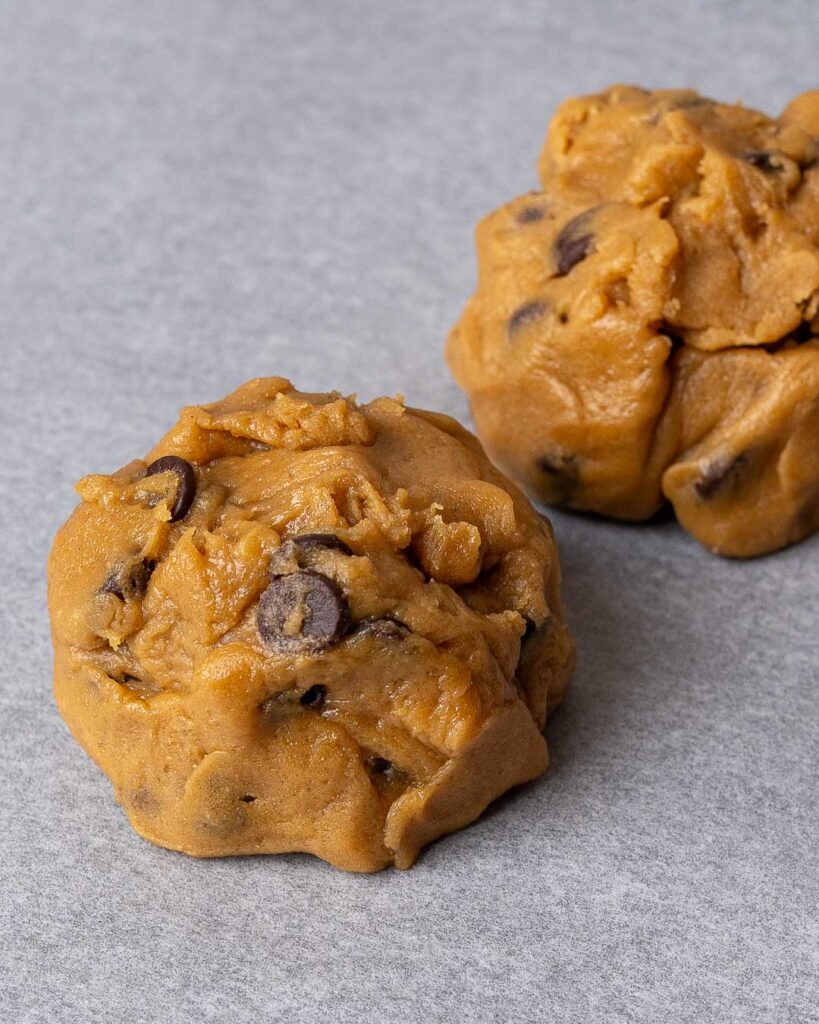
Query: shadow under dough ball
x,y
646,325
308,625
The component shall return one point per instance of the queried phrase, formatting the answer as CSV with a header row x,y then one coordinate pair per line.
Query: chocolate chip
x,y
386,628
129,580
304,611
311,541
186,482
573,244
530,214
114,584
717,474
763,160
248,799
525,315
314,697
380,765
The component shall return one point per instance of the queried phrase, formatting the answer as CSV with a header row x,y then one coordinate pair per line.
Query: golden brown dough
x,y
304,624
667,226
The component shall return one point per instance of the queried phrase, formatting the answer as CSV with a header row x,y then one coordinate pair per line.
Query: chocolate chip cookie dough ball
x,y
308,625
670,233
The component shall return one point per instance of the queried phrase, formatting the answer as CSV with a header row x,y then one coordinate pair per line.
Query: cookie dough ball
x,y
302,624
669,231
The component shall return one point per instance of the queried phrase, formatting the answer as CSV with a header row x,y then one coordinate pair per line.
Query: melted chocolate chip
x,y
525,315
386,628
764,161
186,478
311,541
717,474
305,611
129,580
573,244
314,697
530,214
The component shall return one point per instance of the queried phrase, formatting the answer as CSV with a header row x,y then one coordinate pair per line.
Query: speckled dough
x,y
645,327
311,625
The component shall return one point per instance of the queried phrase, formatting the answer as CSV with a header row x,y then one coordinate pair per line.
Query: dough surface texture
x,y
305,624
646,326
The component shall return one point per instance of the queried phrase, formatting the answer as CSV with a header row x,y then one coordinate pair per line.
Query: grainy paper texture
x,y
194,193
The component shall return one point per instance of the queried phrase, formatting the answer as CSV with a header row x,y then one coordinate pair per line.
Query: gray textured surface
x,y
198,192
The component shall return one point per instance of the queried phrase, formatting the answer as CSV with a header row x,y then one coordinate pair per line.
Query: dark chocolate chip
x,y
526,314
380,765
717,474
248,799
311,541
129,580
304,611
314,697
573,244
386,628
186,486
764,161
530,214
114,584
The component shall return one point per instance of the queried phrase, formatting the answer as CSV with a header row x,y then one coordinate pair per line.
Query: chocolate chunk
x,y
386,628
573,244
129,580
186,486
764,160
716,474
314,697
530,214
526,314
305,611
311,541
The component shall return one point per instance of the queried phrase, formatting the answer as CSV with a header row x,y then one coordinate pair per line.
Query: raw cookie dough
x,y
652,315
308,625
